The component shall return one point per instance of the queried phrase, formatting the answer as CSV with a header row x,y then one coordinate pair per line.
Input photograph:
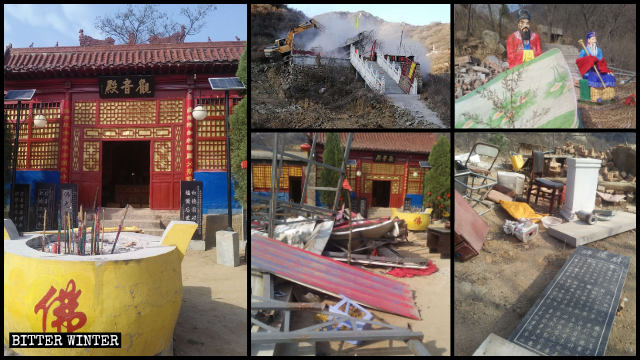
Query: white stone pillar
x,y
582,183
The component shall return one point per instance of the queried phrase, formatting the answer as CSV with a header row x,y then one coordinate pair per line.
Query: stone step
x,y
377,212
154,232
142,214
391,87
142,224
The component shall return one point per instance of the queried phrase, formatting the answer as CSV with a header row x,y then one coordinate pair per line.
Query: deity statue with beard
x,y
523,45
594,58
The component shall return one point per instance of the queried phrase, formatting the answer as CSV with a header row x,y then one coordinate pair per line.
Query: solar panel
x,y
232,83
18,95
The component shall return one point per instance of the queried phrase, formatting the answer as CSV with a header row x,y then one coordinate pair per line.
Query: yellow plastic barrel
x,y
517,161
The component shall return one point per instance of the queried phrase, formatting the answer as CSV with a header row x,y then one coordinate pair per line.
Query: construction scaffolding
x,y
275,206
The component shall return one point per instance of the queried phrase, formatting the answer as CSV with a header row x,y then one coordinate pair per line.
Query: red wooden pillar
x,y
189,135
405,182
65,130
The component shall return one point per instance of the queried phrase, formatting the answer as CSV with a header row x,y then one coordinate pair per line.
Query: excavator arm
x,y
302,27
283,46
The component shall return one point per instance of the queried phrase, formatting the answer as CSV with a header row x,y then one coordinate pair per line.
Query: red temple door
x,y
166,171
85,168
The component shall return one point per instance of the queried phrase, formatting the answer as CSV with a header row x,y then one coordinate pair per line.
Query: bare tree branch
x,y
144,21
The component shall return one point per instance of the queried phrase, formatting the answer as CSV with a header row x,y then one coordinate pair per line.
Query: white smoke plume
x,y
340,26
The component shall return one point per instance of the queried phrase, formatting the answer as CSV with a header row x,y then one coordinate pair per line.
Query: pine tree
x,y
238,138
333,154
436,189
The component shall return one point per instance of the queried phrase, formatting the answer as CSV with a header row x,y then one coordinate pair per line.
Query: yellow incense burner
x,y
137,293
414,221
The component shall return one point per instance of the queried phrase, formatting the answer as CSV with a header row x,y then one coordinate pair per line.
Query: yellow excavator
x,y
282,47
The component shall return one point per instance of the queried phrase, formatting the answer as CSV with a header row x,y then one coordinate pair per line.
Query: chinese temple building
x,y
119,119
383,169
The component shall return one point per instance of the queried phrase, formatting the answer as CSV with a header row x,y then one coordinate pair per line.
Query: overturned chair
x,y
477,171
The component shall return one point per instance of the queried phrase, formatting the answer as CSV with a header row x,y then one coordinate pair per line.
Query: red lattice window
x,y
38,148
414,183
262,176
210,134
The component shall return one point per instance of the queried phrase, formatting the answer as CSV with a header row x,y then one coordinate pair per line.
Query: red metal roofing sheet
x,y
332,277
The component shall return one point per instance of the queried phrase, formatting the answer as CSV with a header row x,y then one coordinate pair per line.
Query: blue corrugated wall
x,y
214,189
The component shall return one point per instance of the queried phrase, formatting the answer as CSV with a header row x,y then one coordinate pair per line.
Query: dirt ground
x,y
213,316
432,297
494,290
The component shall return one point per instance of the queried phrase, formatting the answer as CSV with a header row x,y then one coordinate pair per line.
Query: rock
x,y
481,69
490,39
492,62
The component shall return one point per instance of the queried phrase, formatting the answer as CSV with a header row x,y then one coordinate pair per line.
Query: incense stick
x,y
67,225
126,208
44,228
59,225
102,233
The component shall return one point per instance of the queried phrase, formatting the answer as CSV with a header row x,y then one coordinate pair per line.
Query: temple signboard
x,y
128,86
191,204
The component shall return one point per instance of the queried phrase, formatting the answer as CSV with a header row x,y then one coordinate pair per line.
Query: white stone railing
x,y
392,69
414,86
371,76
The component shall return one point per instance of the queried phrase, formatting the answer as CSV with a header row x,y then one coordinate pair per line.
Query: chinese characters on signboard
x,y
68,197
386,158
46,199
21,207
575,313
129,86
191,204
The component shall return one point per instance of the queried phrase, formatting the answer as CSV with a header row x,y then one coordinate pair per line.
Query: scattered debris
x,y
523,229
331,277
469,229
469,76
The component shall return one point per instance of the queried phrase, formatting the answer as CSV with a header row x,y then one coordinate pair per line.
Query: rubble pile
x,y
613,168
471,73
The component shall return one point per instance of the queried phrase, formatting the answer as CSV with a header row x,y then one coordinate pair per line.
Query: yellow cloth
x,y
527,55
520,210
413,67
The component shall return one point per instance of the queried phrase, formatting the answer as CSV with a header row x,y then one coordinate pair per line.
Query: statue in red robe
x,y
523,45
